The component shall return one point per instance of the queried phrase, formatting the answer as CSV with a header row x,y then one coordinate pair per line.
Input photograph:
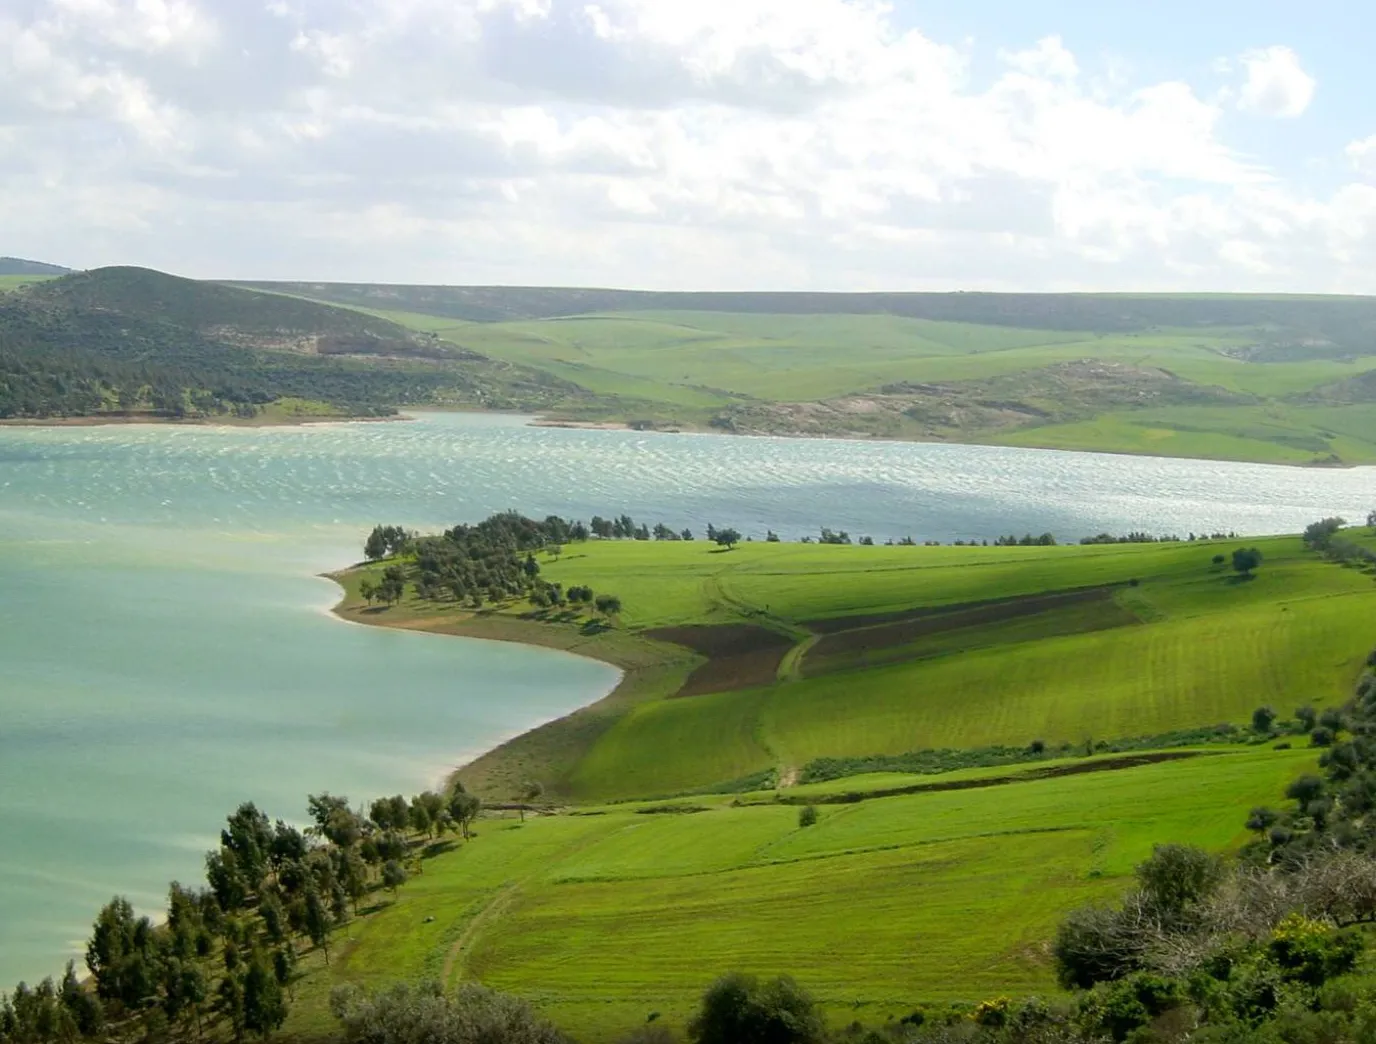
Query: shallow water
x,y
166,650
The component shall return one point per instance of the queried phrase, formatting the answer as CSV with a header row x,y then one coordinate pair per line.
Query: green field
x,y
14,282
1163,640
649,873
603,918
1178,391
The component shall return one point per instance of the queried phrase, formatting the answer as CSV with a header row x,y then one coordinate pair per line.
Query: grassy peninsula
x,y
991,737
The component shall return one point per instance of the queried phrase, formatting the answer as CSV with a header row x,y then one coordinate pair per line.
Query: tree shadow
x,y
595,627
1240,578
437,848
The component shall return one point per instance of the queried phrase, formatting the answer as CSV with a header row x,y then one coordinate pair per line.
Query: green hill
x,y
1283,379
992,736
137,342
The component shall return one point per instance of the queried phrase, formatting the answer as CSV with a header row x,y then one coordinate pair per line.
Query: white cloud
x,y
1276,84
726,143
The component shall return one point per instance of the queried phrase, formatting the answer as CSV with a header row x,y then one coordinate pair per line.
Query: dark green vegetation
x,y
224,962
1284,379
126,341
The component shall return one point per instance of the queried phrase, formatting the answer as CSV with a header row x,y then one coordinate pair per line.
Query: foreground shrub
x,y
427,1015
739,1009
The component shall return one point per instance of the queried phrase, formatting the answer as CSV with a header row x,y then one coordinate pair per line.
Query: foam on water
x,y
164,654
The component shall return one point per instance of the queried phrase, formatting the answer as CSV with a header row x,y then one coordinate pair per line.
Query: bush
x,y
807,816
425,1015
1093,945
739,1009
1177,878
1262,720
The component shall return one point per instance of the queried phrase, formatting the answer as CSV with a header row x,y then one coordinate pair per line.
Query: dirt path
x,y
496,907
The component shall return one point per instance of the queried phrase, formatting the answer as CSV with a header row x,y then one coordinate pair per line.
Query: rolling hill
x,y
1279,379
136,342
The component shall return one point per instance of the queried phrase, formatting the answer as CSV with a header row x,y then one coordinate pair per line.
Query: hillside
x,y
18,266
812,652
136,342
1279,379
991,735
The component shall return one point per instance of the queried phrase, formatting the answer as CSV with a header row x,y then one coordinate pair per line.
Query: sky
x,y
712,144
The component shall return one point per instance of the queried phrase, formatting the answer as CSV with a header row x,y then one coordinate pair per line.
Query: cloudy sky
x,y
697,144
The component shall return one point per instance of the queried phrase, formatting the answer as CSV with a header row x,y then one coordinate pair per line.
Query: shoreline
x,y
101,420
648,667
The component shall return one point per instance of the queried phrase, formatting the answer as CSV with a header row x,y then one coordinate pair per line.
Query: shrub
x,y
423,1014
1093,945
739,1009
807,816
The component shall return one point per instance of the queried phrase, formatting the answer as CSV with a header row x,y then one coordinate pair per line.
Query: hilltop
x,y
132,341
1279,379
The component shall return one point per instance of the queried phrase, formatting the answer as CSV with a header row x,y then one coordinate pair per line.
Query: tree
x,y
393,875
1307,717
464,809
1319,535
807,816
739,1009
122,956
1245,560
1220,559
265,1009
608,605
316,921
1371,521
1263,718
727,538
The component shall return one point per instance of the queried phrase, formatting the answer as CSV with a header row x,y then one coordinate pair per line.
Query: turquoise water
x,y
166,650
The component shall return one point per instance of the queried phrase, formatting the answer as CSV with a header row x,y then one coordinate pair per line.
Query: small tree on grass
x,y
393,875
1246,559
1371,521
531,790
727,538
807,816
1262,720
608,605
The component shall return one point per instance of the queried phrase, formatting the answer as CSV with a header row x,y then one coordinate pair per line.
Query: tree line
x,y
224,958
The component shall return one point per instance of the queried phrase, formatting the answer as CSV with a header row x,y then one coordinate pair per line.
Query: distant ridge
x,y
1349,321
18,266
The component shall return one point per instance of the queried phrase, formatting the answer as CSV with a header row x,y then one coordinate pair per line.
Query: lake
x,y
166,650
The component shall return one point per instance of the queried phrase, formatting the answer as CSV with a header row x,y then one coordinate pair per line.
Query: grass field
x,y
603,918
897,649
14,282
1193,392
640,886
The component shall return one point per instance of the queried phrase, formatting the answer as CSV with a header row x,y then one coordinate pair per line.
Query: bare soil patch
x,y
739,656
932,619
